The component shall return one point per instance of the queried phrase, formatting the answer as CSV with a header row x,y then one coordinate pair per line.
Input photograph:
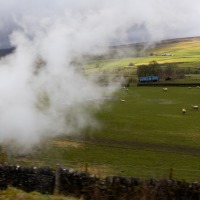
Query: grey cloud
x,y
160,19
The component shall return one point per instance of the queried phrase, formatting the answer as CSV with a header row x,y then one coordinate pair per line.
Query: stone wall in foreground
x,y
67,181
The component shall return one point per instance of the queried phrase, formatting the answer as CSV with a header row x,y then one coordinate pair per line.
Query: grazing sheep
x,y
165,89
195,107
122,100
189,87
183,111
198,87
125,88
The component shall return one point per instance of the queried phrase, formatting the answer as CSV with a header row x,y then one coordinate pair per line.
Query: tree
x,y
173,71
170,70
142,70
153,69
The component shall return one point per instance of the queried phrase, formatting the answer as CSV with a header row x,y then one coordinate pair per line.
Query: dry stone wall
x,y
67,181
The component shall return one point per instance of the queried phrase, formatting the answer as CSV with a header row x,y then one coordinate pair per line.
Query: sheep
x,y
123,100
165,89
195,107
189,87
125,88
183,111
198,87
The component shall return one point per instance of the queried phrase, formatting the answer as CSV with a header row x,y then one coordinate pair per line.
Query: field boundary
x,y
67,181
168,84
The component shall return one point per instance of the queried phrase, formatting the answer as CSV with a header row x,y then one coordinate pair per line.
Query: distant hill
x,y
4,52
184,52
144,48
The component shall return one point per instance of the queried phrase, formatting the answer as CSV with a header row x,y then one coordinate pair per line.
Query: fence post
x,y
3,157
86,167
57,180
170,173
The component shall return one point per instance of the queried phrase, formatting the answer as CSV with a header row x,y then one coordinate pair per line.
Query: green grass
x,y
144,108
16,194
142,137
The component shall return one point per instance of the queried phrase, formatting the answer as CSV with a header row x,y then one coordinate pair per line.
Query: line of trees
x,y
163,71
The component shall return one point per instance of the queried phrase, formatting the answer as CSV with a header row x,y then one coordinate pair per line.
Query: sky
x,y
43,92
144,20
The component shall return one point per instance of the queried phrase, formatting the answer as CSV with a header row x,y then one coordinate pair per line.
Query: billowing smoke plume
x,y
43,91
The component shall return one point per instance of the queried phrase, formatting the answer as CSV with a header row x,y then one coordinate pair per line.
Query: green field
x,y
147,135
143,137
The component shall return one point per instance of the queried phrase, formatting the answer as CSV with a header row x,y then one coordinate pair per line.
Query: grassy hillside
x,y
144,137
185,52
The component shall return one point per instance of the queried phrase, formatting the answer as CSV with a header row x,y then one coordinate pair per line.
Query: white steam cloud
x,y
42,92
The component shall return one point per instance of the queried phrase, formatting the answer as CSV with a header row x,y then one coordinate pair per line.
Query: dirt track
x,y
144,146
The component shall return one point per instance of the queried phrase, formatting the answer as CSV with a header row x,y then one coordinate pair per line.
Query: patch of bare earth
x,y
148,146
66,143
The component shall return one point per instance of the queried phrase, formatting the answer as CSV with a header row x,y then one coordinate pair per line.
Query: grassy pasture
x,y
143,137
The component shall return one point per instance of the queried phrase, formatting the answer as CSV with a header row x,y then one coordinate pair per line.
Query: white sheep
x,y
125,88
123,100
165,89
189,87
198,87
195,107
183,111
